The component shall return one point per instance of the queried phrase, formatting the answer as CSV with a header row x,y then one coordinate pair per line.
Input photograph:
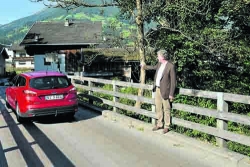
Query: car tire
x,y
6,102
18,117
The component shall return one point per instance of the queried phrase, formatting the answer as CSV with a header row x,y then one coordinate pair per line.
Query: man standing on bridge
x,y
164,86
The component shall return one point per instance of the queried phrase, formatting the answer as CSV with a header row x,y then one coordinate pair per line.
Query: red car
x,y
41,93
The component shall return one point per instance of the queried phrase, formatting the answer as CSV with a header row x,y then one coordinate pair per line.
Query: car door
x,y
19,92
11,91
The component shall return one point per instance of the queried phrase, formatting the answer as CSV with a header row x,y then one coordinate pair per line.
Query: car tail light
x,y
30,93
72,90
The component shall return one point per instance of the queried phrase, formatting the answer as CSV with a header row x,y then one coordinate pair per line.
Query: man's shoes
x,y
165,130
156,128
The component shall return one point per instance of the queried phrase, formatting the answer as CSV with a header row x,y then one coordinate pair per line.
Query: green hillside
x,y
16,30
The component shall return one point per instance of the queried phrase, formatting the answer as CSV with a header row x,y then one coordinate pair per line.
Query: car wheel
x,y
6,102
19,118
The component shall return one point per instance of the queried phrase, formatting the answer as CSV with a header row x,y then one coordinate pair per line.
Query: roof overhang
x,y
62,44
4,53
33,49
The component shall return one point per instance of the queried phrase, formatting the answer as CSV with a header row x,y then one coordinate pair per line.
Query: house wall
x,y
2,65
40,63
11,55
69,65
23,64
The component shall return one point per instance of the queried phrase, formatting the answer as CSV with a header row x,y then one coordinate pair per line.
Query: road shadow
x,y
54,154
3,161
53,120
81,115
29,155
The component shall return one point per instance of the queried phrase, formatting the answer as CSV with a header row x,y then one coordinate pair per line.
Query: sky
x,y
11,10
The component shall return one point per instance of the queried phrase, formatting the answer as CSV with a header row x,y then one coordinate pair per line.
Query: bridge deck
x,y
93,140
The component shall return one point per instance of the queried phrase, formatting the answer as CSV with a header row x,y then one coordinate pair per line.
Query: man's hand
x,y
171,98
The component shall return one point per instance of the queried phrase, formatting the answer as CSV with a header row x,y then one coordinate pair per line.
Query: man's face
x,y
160,58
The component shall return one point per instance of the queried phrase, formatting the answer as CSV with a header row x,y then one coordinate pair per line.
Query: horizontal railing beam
x,y
117,83
117,94
213,95
126,107
242,119
213,131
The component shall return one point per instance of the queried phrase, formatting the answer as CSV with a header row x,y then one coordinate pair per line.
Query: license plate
x,y
54,97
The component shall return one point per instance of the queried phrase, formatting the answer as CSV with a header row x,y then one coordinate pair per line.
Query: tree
x,y
209,41
140,25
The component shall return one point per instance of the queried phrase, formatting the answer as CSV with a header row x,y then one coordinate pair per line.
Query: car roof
x,y
35,74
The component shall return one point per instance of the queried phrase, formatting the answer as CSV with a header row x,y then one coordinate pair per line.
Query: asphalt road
x,y
90,140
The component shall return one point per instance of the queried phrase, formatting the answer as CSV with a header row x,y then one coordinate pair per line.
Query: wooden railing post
x,y
222,106
153,109
115,99
90,84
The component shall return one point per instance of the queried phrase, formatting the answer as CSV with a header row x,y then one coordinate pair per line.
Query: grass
x,y
18,70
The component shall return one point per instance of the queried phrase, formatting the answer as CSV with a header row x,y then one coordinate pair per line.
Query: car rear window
x,y
49,82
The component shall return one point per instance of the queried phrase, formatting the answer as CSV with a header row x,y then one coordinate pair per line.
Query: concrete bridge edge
x,y
238,160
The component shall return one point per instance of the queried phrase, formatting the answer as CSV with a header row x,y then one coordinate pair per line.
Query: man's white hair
x,y
164,53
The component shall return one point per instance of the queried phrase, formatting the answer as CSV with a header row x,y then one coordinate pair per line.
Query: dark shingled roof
x,y
56,33
3,52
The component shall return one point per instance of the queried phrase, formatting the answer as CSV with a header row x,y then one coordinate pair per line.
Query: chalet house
x,y
3,55
58,45
20,58
66,47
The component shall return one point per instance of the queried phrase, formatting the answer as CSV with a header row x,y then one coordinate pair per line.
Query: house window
x,y
46,63
22,62
22,54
